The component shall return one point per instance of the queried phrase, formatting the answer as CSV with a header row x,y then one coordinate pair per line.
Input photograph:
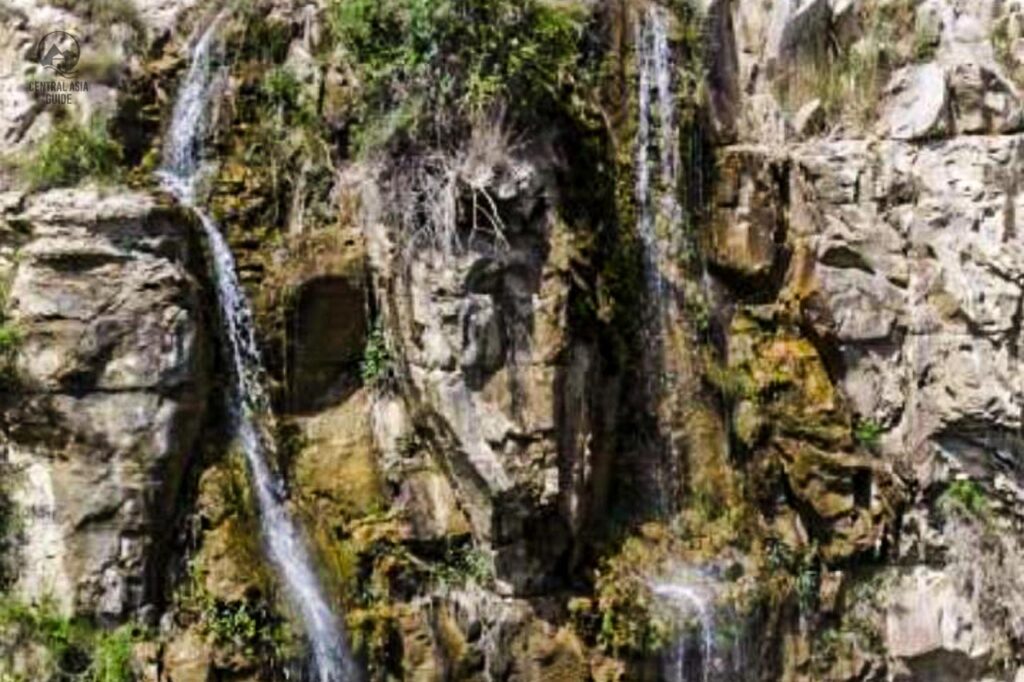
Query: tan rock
x,y
188,658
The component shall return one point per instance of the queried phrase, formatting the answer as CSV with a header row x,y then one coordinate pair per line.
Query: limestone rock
x,y
918,103
483,337
188,659
336,472
749,222
933,631
112,373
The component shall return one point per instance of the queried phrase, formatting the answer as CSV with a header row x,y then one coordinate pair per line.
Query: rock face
x,y
482,336
112,384
456,404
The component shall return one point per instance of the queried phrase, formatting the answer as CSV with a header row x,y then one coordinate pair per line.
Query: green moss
x,y
72,153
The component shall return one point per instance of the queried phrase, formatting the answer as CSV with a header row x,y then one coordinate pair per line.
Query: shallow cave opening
x,y
328,326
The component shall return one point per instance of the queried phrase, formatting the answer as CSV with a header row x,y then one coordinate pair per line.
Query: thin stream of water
x,y
249,406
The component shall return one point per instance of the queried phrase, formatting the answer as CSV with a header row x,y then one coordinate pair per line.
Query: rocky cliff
x,y
606,341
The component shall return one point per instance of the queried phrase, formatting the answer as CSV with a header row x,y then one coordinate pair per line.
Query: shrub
x,y
444,61
464,565
112,655
75,647
73,153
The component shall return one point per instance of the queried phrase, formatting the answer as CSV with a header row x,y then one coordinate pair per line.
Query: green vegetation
x,y
376,364
250,626
10,344
112,658
74,649
967,496
430,66
105,13
868,432
926,42
73,153
623,618
464,565
848,79
1004,30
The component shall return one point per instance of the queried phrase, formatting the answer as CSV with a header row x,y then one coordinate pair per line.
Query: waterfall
x,y
658,206
659,222
686,599
249,406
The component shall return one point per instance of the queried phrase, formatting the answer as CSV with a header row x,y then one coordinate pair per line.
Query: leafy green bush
x,y
74,647
72,153
440,62
112,655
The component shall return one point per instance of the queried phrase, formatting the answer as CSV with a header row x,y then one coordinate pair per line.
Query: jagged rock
x,y
428,504
797,27
932,631
188,659
484,340
917,103
749,222
983,102
113,379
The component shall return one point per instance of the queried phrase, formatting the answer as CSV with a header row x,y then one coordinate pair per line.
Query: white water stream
x,y
659,210
249,405
688,601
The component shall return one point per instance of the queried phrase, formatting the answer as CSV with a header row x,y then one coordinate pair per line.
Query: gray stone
x,y
112,370
917,104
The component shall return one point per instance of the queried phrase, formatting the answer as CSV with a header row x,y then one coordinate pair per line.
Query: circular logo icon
x,y
58,52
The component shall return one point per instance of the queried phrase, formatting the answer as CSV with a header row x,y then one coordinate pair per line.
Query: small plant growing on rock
x,y
868,432
10,344
466,565
967,496
376,364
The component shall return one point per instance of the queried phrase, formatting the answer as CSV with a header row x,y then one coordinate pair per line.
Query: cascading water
x,y
659,219
658,206
249,406
687,600
687,596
